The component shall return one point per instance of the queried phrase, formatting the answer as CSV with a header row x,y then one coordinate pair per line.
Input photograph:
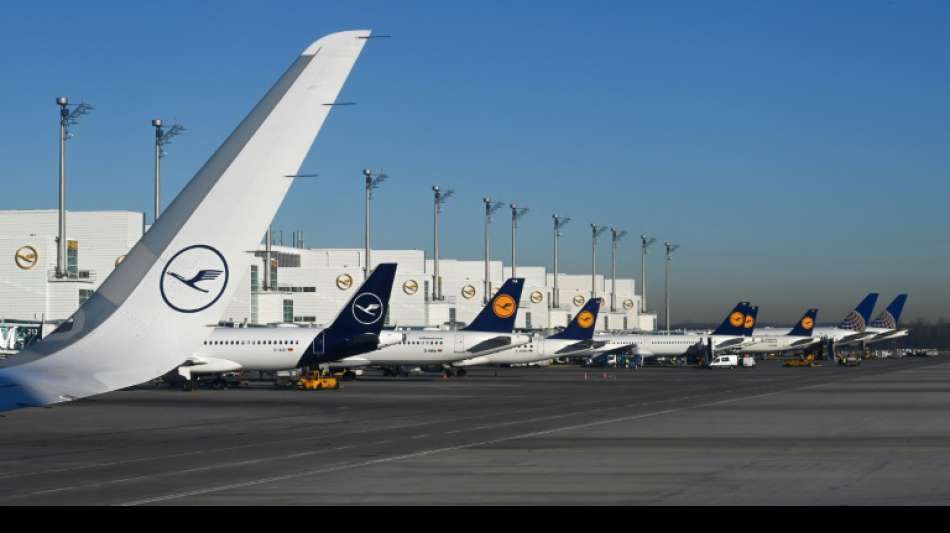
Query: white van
x,y
725,361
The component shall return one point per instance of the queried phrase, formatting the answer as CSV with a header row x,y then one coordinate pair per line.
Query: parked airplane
x,y
357,329
851,330
773,341
575,340
884,326
490,332
730,335
142,320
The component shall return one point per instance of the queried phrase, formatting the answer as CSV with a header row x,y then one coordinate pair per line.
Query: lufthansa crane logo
x,y
504,306
749,321
628,304
737,319
585,319
468,292
536,297
808,323
578,300
410,286
344,281
367,308
26,257
194,279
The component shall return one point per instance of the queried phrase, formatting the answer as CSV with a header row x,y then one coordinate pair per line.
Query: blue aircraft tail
x,y
750,320
891,316
500,313
805,326
366,310
357,327
857,320
582,327
734,324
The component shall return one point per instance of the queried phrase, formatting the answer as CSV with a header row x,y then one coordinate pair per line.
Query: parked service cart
x,y
850,360
316,380
802,360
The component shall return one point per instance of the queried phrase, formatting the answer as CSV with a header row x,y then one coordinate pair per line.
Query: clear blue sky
x,y
798,151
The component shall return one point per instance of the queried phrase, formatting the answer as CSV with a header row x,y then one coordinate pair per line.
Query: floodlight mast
x,y
596,231
559,222
372,183
516,214
615,236
670,248
163,138
491,207
645,243
67,118
440,197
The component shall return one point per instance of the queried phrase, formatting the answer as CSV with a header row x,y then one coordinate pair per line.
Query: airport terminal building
x,y
306,286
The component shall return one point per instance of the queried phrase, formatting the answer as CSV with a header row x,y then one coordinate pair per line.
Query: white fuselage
x,y
885,334
425,347
659,345
268,349
778,343
539,349
842,336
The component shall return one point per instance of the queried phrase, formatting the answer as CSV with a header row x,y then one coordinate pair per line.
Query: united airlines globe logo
x,y
194,279
367,308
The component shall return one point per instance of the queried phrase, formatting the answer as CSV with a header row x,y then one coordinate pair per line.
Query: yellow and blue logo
x,y
737,319
585,319
504,306
808,323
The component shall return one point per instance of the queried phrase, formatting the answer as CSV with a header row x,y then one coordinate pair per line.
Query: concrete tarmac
x,y
873,435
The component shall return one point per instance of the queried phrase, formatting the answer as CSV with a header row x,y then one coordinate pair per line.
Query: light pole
x,y
440,197
596,231
268,242
372,183
670,248
559,222
162,139
615,235
516,214
490,208
645,243
67,118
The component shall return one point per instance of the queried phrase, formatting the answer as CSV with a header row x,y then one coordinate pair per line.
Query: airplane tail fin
x,y
582,327
750,320
891,316
857,320
366,310
203,236
734,324
805,326
500,313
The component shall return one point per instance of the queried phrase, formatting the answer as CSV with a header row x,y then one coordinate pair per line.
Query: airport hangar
x,y
307,285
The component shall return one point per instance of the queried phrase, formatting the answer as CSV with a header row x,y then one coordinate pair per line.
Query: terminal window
x,y
72,257
288,310
85,294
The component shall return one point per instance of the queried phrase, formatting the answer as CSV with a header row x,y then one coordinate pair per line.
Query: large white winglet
x,y
183,272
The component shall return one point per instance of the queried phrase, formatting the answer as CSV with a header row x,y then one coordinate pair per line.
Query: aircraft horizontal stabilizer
x,y
491,345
